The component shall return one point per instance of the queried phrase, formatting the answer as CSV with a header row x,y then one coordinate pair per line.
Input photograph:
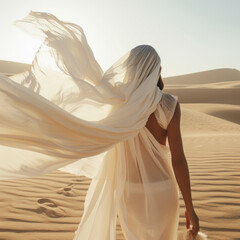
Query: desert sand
x,y
50,207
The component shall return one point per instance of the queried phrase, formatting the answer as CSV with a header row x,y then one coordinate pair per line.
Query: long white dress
x,y
149,206
66,114
146,194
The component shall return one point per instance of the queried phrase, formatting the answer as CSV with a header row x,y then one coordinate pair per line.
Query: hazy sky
x,y
189,35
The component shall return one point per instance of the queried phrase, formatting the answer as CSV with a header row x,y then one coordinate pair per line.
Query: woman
x,y
179,163
66,113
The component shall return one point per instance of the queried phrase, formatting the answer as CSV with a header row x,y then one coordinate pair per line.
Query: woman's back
x,y
159,120
149,206
157,131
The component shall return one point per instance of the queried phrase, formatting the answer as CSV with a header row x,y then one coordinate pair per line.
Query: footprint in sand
x,y
50,208
67,191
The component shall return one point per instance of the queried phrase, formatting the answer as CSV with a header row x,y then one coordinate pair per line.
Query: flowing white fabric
x,y
65,113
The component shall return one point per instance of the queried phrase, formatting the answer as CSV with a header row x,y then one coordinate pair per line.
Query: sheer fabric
x,y
65,113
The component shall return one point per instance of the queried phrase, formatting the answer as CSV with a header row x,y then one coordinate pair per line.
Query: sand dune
x,y
211,95
215,92
195,123
211,76
214,170
224,111
50,207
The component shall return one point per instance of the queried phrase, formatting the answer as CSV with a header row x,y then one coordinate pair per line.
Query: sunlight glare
x,y
28,47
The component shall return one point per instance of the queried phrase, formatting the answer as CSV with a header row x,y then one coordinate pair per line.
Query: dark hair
x,y
160,83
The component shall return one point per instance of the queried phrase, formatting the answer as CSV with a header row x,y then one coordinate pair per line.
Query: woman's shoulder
x,y
165,109
168,99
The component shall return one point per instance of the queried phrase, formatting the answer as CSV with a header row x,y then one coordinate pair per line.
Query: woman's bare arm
x,y
179,162
180,168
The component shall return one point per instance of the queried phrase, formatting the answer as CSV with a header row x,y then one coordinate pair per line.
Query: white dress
x,y
149,206
146,194
65,113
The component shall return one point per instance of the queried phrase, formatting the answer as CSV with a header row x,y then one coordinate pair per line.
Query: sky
x,y
189,35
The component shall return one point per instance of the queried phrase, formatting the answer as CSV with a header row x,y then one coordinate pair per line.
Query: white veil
x,y
65,112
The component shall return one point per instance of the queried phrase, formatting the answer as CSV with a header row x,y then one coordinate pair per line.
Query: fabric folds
x,y
66,113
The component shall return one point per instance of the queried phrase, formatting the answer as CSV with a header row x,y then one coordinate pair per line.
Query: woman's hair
x,y
160,83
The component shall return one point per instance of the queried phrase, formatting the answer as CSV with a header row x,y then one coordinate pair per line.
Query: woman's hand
x,y
191,217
